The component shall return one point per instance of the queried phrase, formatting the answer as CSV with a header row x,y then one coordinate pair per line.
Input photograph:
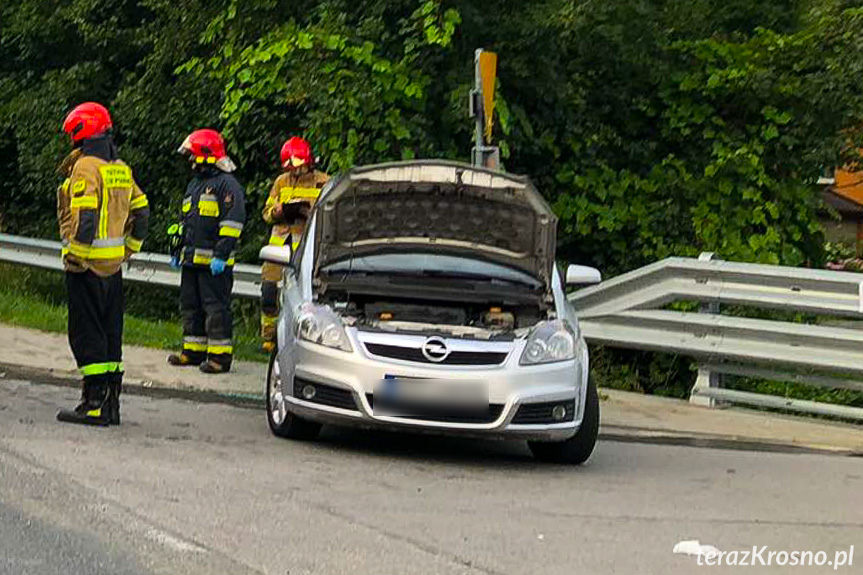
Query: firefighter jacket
x,y
213,214
292,191
103,214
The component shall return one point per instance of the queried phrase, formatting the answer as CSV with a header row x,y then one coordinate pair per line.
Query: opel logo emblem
x,y
435,350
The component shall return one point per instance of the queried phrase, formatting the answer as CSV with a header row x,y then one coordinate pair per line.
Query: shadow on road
x,y
434,449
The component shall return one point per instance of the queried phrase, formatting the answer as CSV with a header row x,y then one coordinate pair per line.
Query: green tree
x,y
655,128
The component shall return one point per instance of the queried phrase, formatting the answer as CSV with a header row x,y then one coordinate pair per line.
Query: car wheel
x,y
282,422
577,449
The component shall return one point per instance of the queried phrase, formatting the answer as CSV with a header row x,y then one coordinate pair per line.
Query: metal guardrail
x,y
147,268
632,311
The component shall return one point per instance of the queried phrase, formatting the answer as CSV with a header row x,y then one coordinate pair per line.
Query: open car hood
x,y
440,207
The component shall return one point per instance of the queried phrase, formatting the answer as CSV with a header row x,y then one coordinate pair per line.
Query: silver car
x,y
425,297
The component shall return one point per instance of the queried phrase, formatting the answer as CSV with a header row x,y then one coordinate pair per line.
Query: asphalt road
x,y
186,487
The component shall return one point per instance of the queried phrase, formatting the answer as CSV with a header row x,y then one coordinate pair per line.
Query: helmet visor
x,y
185,148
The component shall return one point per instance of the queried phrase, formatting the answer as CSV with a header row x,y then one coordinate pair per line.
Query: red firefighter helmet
x,y
87,121
296,152
207,147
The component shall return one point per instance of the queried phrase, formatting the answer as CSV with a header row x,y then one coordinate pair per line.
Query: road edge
x,y
45,376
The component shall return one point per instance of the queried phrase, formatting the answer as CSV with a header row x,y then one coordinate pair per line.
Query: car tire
x,y
577,449
282,422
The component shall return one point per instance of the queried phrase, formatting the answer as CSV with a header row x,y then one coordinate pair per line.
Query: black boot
x,y
115,388
94,408
213,366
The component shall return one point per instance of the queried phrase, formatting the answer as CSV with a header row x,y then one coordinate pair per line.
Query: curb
x,y
707,440
49,377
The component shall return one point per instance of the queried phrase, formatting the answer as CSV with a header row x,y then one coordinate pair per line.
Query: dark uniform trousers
x,y
205,304
96,322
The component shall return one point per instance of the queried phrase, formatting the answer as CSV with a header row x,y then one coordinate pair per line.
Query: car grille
x,y
534,413
326,395
494,411
454,358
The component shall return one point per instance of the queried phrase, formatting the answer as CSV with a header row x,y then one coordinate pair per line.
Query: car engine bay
x,y
408,315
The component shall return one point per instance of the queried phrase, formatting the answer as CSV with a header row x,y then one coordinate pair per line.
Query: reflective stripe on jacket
x,y
288,189
213,214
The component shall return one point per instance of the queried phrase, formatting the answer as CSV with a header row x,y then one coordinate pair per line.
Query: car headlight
x,y
548,342
321,325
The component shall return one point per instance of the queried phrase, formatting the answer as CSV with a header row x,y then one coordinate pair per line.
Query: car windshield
x,y
431,265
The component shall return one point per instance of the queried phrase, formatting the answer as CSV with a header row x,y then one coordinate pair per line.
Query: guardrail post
x,y
706,378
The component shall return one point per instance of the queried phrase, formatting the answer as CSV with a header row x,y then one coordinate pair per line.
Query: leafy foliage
x,y
721,136
325,66
654,128
119,52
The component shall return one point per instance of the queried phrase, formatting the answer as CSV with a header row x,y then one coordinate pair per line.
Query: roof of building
x,y
848,186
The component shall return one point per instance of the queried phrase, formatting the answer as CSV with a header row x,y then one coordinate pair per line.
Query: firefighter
x,y
291,199
212,218
103,217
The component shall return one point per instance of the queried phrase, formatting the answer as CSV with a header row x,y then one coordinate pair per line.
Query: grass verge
x,y
36,299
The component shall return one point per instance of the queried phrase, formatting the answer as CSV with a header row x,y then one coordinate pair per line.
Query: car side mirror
x,y
581,275
280,255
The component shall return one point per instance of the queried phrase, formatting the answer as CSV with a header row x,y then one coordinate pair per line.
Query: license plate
x,y
415,396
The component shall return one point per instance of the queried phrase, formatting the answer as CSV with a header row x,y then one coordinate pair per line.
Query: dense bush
x,y
654,127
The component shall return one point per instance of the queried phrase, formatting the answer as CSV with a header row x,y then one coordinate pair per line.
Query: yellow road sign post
x,y
487,62
482,110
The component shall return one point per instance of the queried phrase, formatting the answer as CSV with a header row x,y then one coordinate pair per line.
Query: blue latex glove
x,y
175,263
217,266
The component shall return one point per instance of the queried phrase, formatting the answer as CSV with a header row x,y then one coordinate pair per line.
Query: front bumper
x,y
510,386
